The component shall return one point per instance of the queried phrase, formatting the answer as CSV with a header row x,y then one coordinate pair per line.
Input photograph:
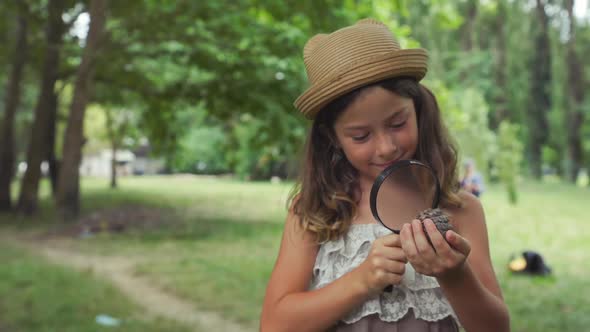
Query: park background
x,y
147,149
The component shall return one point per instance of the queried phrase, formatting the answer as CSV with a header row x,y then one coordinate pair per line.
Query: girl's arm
x,y
289,306
473,291
463,268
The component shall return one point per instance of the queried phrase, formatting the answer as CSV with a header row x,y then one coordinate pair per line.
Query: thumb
x,y
391,240
458,242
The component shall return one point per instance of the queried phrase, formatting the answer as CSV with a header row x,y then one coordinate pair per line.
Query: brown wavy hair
x,y
324,197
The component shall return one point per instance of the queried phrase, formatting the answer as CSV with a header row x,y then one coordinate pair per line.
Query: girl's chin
x,y
371,175
378,169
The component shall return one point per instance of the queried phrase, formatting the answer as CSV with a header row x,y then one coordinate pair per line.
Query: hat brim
x,y
406,63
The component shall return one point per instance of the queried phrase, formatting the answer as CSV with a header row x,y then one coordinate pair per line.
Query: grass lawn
x,y
37,296
218,246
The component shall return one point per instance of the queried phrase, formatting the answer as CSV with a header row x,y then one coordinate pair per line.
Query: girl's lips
x,y
386,164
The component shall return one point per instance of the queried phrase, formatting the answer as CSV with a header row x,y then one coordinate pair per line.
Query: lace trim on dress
x,y
421,293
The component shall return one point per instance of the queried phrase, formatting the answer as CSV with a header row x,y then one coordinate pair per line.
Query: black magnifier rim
x,y
385,173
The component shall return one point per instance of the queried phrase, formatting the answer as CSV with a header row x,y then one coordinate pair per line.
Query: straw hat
x,y
352,57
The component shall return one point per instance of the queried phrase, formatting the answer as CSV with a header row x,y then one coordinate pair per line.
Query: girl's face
x,y
377,129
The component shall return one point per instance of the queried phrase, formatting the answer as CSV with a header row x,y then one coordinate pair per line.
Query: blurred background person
x,y
472,180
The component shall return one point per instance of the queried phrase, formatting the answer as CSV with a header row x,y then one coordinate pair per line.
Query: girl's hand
x,y
385,264
443,259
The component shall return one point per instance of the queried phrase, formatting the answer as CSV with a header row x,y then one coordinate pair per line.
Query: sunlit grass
x,y
550,219
221,251
220,247
37,296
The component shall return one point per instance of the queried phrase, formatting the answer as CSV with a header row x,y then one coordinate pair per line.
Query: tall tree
x,y
68,191
501,90
42,140
576,92
117,123
540,103
469,11
13,93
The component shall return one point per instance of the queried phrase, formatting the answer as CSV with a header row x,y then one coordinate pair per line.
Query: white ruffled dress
x,y
418,297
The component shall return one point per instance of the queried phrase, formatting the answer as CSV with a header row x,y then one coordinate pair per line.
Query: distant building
x,y
136,162
99,164
144,164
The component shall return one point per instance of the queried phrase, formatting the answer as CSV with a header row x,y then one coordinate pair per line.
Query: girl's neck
x,y
366,183
364,191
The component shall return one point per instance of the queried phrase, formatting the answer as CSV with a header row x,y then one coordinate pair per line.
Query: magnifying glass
x,y
404,191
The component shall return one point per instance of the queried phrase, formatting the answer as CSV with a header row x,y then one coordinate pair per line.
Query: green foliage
x,y
251,153
586,133
200,152
230,58
551,157
107,124
244,67
95,129
509,158
465,113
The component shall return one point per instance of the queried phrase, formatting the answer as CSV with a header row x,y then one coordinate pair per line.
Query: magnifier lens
x,y
404,192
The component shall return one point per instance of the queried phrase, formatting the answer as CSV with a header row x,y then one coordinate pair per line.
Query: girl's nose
x,y
386,147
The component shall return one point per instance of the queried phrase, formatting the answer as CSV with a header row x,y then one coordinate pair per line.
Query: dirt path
x,y
119,271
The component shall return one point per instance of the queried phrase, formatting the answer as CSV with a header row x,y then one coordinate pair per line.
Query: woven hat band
x,y
406,63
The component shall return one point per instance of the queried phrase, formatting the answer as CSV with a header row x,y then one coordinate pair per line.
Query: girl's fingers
x,y
394,278
394,267
408,244
458,242
424,248
395,254
438,242
391,240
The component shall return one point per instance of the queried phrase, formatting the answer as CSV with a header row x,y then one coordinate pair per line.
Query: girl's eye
x,y
398,125
360,138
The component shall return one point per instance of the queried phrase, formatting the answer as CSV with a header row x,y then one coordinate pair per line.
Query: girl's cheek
x,y
408,140
361,151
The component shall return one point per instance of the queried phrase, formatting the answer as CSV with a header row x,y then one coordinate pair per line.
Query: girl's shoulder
x,y
469,214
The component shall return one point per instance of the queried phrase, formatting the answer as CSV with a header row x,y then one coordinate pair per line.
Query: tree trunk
x,y
68,191
540,92
44,123
501,111
114,167
467,36
50,152
574,114
13,92
467,30
112,134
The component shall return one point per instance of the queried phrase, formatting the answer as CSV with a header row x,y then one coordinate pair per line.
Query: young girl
x,y
368,111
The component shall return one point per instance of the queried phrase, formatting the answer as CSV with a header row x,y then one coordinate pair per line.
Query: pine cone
x,y
440,219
